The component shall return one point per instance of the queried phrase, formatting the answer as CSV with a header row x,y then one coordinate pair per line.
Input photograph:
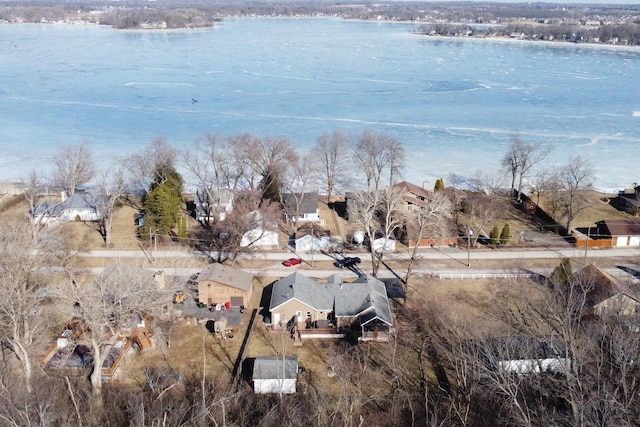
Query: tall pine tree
x,y
163,203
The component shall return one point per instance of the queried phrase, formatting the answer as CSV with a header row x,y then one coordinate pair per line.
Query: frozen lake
x,y
454,103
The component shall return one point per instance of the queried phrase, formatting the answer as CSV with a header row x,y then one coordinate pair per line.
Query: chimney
x,y
426,185
64,196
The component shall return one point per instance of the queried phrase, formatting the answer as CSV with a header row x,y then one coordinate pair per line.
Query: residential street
x,y
430,262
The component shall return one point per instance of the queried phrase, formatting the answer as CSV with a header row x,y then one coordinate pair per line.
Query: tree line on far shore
x,y
535,21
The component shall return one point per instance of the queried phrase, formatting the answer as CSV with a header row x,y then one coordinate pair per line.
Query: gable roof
x,y
77,202
275,367
302,288
228,276
622,227
408,187
309,202
606,287
366,296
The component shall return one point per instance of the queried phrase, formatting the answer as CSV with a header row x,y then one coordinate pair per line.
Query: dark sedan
x,y
347,262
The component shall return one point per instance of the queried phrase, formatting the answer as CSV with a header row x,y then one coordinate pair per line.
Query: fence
x,y
486,275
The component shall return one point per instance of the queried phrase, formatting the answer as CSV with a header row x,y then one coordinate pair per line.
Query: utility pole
x,y
469,234
586,247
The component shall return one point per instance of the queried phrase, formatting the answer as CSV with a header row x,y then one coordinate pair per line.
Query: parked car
x,y
291,262
347,262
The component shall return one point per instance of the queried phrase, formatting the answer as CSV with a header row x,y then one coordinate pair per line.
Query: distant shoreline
x,y
386,22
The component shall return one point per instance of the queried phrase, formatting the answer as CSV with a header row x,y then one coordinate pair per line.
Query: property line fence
x,y
478,275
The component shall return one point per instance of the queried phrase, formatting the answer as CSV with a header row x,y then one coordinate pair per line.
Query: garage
x,y
237,301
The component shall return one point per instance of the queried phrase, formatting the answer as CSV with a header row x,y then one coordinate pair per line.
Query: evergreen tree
x,y
495,235
163,203
505,235
271,186
562,273
439,185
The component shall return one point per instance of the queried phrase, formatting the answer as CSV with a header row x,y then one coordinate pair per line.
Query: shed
x,y
275,374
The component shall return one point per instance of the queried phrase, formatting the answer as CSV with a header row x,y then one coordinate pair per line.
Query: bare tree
x,y
575,179
205,161
482,210
530,155
374,154
33,189
155,159
511,160
363,209
296,183
74,165
378,212
275,158
25,281
329,152
520,158
251,219
111,187
431,220
539,183
245,151
118,298
395,152
487,183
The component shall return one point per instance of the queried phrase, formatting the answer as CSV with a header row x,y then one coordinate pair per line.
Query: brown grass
x,y
599,209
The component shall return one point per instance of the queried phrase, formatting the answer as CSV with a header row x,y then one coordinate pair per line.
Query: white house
x,y
261,235
216,209
82,206
308,206
275,374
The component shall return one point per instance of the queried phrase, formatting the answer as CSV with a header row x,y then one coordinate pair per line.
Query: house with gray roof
x,y
301,207
299,302
81,206
275,374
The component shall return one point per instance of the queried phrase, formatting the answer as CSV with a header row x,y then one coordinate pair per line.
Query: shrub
x,y
505,235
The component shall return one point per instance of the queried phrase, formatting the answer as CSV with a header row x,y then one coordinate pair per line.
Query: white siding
x,y
274,386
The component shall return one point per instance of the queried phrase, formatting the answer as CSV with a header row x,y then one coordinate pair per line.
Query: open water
x,y
454,103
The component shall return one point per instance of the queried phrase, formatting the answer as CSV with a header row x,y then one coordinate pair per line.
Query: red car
x,y
291,262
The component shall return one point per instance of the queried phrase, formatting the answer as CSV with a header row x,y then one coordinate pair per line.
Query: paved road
x,y
426,254
424,267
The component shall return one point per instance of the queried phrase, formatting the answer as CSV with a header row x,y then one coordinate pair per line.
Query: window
x,y
308,315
